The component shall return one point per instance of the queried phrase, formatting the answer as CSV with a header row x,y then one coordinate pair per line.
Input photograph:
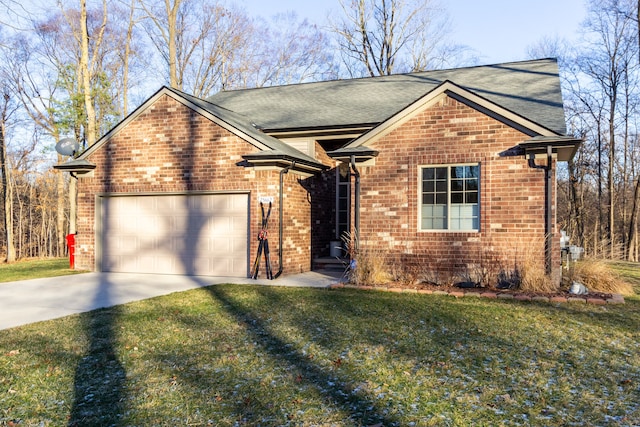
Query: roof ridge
x,y
196,98
246,89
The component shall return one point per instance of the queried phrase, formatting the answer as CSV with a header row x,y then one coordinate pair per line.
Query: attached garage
x,y
195,234
167,190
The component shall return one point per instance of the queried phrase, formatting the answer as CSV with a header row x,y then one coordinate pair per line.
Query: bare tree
x,y
611,53
87,65
600,82
211,63
632,240
283,50
49,73
382,37
133,53
197,40
7,110
167,24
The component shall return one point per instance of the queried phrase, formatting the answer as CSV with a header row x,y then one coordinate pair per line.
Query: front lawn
x,y
629,271
35,269
249,355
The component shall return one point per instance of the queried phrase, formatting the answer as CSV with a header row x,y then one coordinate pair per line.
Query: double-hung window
x,y
450,197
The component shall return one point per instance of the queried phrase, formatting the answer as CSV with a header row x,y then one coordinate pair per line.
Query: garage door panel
x,y
225,245
176,234
160,264
144,226
238,224
166,204
126,262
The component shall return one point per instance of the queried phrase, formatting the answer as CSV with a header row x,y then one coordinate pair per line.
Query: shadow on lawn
x,y
100,377
362,410
99,381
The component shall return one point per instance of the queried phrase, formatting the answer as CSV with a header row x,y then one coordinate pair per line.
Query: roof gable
x,y
229,120
461,94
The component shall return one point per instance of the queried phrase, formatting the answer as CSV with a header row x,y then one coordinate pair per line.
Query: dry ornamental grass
x,y
599,276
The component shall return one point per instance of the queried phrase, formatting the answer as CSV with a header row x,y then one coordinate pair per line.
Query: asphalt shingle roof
x,y
246,126
528,88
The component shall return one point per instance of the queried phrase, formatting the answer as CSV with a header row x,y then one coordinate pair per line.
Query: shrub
x,y
370,268
369,264
403,269
597,275
533,278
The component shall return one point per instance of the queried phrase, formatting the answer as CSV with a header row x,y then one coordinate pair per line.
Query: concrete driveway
x,y
35,300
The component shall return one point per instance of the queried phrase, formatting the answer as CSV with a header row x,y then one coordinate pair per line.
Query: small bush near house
x,y
534,279
505,268
599,276
370,264
370,268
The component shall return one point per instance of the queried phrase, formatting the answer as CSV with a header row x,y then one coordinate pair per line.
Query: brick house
x,y
442,170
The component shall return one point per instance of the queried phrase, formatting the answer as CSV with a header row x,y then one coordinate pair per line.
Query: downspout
x,y
356,215
73,203
281,217
548,242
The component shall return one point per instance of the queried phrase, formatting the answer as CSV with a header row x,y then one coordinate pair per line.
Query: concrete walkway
x,y
35,300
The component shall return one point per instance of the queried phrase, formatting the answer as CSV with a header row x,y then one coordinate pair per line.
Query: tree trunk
x,y
7,194
172,17
31,227
19,251
73,198
125,60
86,75
60,204
575,205
632,222
612,153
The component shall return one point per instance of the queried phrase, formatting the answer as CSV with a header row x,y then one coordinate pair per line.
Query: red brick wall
x,y
512,195
322,188
171,148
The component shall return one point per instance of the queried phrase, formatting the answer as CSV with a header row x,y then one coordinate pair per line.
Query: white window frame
x,y
448,228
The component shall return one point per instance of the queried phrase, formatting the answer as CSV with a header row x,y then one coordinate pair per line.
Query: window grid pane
x,y
450,198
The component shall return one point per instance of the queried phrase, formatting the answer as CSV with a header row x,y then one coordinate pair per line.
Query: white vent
x,y
305,146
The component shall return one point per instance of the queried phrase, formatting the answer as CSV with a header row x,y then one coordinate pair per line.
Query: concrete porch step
x,y
330,263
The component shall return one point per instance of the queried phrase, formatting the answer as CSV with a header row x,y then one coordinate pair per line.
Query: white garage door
x,y
175,234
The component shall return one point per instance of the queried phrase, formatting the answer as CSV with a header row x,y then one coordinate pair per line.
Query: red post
x,y
71,243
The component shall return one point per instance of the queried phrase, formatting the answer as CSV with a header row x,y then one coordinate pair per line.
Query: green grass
x,y
35,269
249,355
629,271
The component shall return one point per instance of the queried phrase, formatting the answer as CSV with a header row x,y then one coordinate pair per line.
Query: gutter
x,y
356,214
548,232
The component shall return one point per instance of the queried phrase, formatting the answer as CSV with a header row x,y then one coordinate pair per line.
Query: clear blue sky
x,y
498,30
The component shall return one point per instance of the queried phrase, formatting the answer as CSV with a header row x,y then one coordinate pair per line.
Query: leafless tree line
x,y
599,195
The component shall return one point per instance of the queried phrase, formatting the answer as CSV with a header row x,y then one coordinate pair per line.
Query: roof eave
x,y
565,147
76,166
281,161
330,130
358,154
